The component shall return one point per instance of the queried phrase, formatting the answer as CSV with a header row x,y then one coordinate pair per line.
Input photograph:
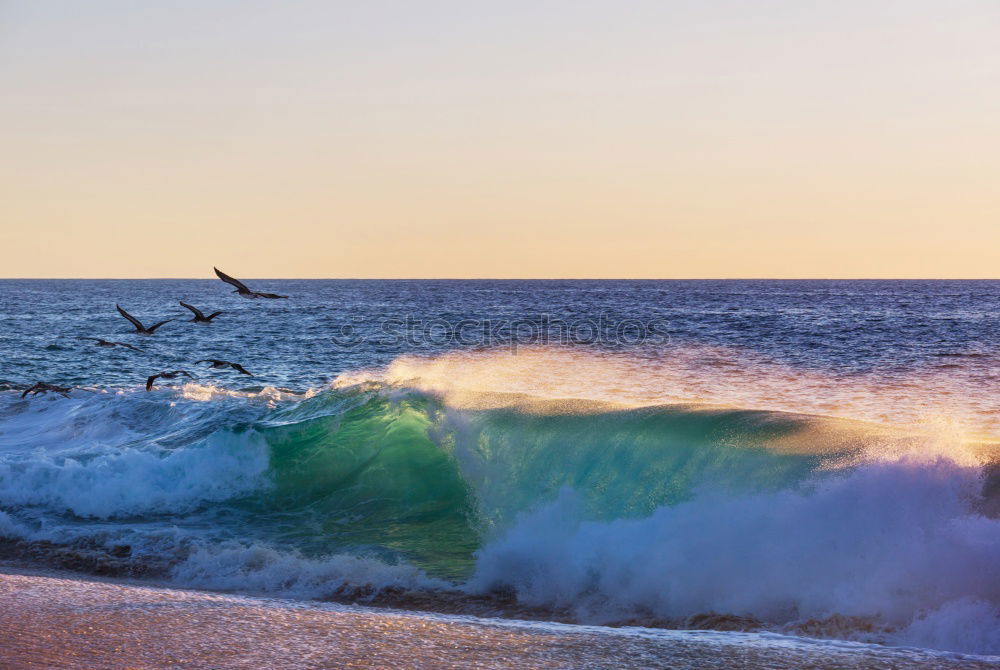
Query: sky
x,y
558,138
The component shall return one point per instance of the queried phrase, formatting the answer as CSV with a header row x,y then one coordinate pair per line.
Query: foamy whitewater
x,y
809,458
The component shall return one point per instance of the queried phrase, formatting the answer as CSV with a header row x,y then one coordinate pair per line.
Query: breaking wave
x,y
609,508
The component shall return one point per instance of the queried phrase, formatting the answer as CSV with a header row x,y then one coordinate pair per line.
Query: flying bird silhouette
x,y
109,343
242,288
168,374
139,328
199,317
42,387
216,363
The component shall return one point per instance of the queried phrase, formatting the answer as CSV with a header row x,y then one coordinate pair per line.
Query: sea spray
x,y
902,544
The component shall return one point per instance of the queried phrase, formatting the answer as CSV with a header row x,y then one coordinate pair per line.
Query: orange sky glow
x,y
651,139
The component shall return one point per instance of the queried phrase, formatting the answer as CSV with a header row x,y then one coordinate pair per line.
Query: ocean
x,y
811,459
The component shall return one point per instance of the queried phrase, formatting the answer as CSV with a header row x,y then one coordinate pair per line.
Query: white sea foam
x,y
258,568
12,528
269,395
970,625
901,542
126,481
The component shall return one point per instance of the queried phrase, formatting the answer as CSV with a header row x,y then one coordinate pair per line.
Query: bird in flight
x,y
216,363
109,343
199,317
139,328
169,374
42,387
242,288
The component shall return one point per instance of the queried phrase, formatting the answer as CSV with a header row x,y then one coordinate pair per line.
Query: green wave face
x,y
624,463
402,476
371,479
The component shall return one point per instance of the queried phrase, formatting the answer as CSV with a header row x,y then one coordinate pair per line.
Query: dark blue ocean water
x,y
837,326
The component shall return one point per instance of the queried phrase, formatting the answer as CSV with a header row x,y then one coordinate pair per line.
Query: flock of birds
x,y
140,329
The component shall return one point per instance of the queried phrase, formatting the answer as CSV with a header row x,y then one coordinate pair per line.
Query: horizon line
x,y
510,278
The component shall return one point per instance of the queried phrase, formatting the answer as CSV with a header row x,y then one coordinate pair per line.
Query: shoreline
x,y
46,559
66,620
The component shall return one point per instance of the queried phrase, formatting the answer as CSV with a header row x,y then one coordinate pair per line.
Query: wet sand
x,y
61,621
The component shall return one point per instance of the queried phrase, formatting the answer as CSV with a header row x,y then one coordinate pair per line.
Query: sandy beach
x,y
64,621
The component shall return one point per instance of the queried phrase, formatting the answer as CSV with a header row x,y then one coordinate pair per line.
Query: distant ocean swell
x,y
606,512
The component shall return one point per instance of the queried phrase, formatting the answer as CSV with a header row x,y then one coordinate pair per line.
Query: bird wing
x,y
229,280
273,296
157,325
240,368
29,390
206,360
135,322
197,312
184,372
149,382
127,346
213,315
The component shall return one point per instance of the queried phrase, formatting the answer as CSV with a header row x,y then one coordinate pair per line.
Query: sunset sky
x,y
568,138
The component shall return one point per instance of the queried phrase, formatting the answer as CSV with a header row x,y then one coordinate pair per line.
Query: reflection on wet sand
x,y
57,622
